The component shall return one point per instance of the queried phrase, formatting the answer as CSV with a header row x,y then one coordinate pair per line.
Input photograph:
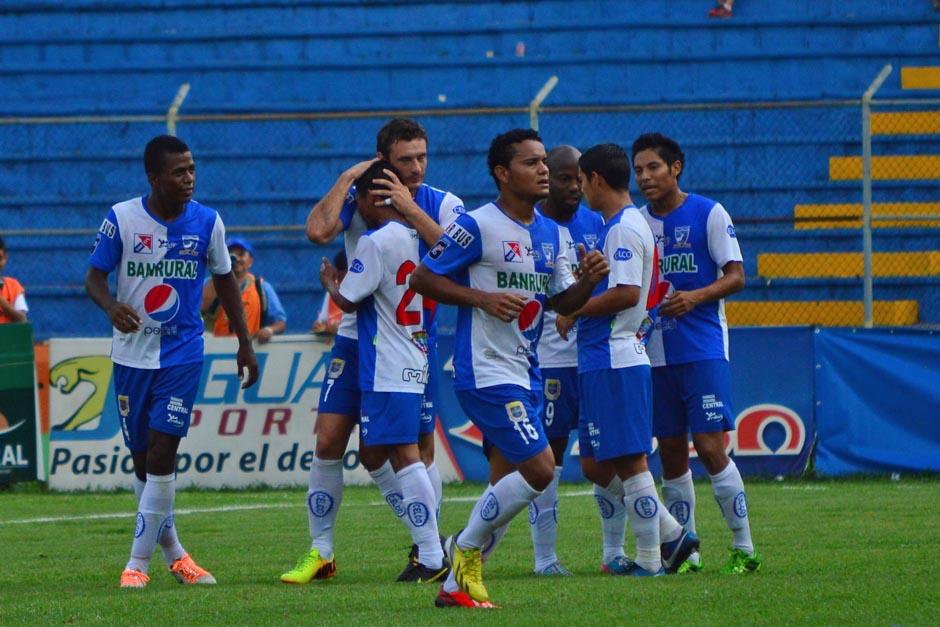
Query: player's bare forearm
x,y
341,301
680,302
429,230
610,302
123,317
323,223
442,289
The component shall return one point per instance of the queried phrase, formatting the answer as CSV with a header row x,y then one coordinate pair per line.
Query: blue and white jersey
x,y
607,342
393,354
584,227
161,267
443,207
695,241
489,251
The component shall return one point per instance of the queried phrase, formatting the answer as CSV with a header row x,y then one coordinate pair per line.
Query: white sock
x,y
324,494
419,516
642,505
729,492
613,518
154,509
450,584
391,489
438,485
498,505
169,541
543,521
679,499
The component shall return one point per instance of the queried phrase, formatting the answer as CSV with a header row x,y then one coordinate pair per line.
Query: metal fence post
x,y
867,290
537,101
172,114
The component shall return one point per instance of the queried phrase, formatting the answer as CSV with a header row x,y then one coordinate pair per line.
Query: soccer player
x,y
161,245
508,264
701,263
13,306
393,363
558,361
403,143
615,424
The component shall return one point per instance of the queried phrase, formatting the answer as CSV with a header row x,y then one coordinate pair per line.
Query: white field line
x,y
230,508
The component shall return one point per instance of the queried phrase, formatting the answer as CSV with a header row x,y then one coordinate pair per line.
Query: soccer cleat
x,y
740,562
309,567
639,571
419,573
459,599
134,579
677,551
692,565
468,570
189,572
620,565
555,569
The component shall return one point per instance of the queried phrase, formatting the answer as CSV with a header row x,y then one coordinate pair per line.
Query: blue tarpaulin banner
x,y
878,394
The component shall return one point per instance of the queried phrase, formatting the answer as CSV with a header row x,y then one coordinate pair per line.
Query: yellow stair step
x,y
832,313
896,167
803,212
906,123
920,77
846,265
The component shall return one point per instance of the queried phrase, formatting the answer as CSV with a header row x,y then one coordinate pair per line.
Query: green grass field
x,y
834,552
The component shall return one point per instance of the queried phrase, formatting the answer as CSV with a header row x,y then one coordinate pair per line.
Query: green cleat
x,y
741,563
309,567
692,565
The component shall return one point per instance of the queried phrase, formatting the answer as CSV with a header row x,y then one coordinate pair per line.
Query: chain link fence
x,y
791,175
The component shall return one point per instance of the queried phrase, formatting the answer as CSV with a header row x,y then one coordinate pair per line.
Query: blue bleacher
x,y
130,56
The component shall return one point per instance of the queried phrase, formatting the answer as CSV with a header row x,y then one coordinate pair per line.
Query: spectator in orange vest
x,y
264,313
12,295
328,319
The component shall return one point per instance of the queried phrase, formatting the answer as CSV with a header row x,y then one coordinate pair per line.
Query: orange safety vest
x,y
253,301
10,290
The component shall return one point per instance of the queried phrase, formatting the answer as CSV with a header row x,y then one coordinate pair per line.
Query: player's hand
x,y
396,190
329,275
503,305
593,265
357,170
563,324
246,361
264,335
125,318
677,304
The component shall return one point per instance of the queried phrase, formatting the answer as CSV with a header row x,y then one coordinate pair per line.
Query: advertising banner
x,y
878,393
772,396
20,450
237,438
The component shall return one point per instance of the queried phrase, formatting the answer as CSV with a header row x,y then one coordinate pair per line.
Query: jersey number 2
x,y
403,315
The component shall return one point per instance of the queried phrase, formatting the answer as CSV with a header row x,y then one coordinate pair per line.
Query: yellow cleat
x,y
309,567
468,571
134,579
189,572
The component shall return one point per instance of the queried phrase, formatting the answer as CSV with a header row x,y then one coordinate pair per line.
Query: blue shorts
x,y
160,399
340,391
430,404
390,418
692,397
560,391
616,413
508,416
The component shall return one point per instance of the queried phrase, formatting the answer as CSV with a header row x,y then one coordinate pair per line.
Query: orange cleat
x,y
189,572
134,579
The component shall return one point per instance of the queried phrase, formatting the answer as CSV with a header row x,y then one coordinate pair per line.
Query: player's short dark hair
x,y
364,183
503,148
398,130
339,260
667,149
610,161
157,149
